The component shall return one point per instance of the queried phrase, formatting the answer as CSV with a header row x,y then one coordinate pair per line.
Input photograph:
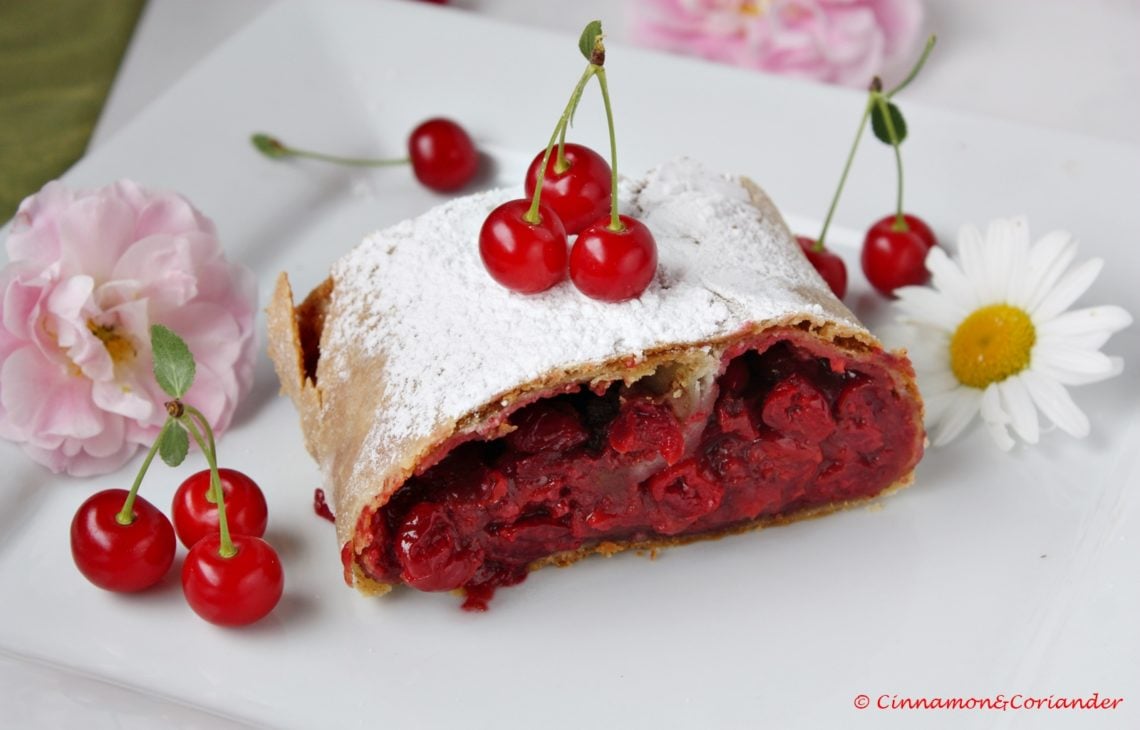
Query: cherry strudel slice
x,y
469,435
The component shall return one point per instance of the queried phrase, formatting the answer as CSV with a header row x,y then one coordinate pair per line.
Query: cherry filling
x,y
784,430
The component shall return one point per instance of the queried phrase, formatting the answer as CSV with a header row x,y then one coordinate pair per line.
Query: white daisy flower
x,y
991,335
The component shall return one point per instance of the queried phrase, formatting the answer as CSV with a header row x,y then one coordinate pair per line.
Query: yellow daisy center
x,y
118,347
991,344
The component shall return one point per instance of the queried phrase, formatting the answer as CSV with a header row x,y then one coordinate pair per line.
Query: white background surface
x,y
1072,66
944,591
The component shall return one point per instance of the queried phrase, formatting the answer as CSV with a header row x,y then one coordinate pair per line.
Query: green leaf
x,y
173,363
588,41
173,443
269,146
879,123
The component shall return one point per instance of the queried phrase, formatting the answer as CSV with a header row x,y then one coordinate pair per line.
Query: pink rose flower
x,y
838,41
88,273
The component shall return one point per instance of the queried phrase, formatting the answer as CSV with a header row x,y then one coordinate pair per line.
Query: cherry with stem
x,y
612,260
576,180
523,243
895,247
440,151
229,580
558,135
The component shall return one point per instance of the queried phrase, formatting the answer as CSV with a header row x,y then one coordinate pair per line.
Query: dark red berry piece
x,y
442,154
829,265
429,550
913,222
321,506
195,516
797,408
522,256
894,258
614,265
123,558
644,426
682,496
580,194
547,426
232,591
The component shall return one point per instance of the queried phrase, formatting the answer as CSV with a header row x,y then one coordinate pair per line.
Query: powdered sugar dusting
x,y
452,340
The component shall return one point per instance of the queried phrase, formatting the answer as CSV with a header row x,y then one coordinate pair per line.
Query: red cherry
x,y
894,258
195,516
547,426
430,552
232,591
829,265
580,194
523,256
614,265
442,154
123,558
916,224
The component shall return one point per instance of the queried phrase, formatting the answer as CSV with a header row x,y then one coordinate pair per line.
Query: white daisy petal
x,y
927,348
958,415
1066,364
935,382
949,279
990,406
971,246
1090,341
1048,260
995,417
1001,237
1068,289
936,405
1066,377
1092,320
1054,401
1017,403
1019,281
923,305
1000,435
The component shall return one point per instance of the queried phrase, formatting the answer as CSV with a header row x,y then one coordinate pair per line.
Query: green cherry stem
x,y
917,66
615,220
532,216
275,149
212,496
881,102
819,245
560,163
127,514
226,549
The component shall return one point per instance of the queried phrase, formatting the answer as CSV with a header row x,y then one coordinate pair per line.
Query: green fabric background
x,y
57,61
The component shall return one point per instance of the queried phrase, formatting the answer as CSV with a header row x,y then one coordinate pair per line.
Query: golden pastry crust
x,y
338,412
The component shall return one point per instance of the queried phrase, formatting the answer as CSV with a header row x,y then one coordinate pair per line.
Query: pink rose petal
x,y
89,272
837,41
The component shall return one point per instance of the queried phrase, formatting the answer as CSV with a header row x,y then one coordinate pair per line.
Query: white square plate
x,y
994,574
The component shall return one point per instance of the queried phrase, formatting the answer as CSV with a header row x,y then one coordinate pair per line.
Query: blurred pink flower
x,y
88,273
838,41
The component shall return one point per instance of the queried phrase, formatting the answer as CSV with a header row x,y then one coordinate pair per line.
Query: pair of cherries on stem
x,y
123,543
894,247
523,243
893,255
530,255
